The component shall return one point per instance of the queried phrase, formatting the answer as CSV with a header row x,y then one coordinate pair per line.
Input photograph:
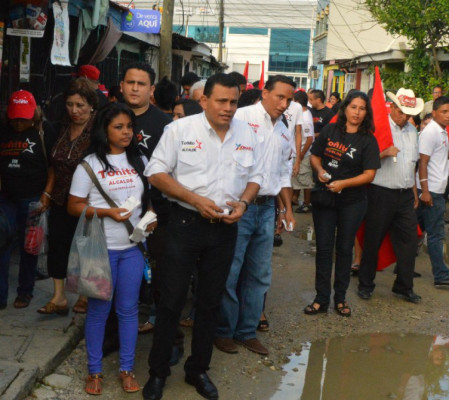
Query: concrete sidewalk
x,y
33,345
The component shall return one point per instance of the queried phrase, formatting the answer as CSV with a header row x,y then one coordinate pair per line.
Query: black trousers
x,y
189,238
389,210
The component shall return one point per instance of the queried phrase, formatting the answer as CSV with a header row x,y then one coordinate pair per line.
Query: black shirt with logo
x,y
149,129
344,156
321,118
23,165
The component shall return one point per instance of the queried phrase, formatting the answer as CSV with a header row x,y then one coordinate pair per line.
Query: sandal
x,y
22,301
93,384
52,308
129,383
147,327
186,322
80,307
311,310
341,307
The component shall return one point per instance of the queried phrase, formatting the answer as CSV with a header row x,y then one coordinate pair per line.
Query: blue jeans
x,y
127,271
434,223
17,213
345,221
250,275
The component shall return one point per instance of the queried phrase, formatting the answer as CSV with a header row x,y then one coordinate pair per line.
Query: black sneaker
x,y
304,209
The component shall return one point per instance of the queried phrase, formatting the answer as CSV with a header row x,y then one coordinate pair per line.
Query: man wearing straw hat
x,y
392,199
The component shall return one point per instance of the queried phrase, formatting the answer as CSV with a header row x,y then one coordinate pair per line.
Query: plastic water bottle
x,y
310,233
147,271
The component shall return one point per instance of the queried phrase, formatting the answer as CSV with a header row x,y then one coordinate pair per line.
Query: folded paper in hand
x,y
140,232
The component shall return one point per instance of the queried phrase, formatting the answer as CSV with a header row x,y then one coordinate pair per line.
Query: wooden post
x,y
165,51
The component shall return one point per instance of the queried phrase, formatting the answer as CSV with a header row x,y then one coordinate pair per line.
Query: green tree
x,y
425,23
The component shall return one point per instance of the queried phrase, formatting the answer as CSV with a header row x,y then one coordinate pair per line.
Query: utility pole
x,y
220,32
165,51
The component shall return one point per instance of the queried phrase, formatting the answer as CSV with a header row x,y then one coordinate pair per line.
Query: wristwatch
x,y
245,202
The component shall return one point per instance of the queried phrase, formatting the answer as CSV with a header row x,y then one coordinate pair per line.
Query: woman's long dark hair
x,y
367,125
100,146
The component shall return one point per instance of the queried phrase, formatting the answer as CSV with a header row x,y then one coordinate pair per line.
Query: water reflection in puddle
x,y
369,367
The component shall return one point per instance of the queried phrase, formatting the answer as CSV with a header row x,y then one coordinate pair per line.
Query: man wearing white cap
x,y
392,199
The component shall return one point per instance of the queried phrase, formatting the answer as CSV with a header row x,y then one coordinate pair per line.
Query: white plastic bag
x,y
89,271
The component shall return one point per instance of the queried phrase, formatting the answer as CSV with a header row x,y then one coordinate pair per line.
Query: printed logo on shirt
x,y
16,147
284,136
335,150
241,147
14,164
255,127
143,138
288,116
119,176
190,146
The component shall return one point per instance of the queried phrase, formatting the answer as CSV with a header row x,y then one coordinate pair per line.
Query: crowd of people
x,y
222,165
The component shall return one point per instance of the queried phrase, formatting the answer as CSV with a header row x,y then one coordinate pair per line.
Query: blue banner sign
x,y
145,21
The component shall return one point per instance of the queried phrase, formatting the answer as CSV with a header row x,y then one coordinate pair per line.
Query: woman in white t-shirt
x,y
117,162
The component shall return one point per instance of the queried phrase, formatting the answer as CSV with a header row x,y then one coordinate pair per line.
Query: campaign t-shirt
x,y
344,156
149,129
321,118
23,165
119,185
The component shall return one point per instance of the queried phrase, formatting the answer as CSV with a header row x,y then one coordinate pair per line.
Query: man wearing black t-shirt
x,y
320,113
137,87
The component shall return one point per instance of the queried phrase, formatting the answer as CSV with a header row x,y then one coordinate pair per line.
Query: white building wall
x,y
352,32
252,48
286,14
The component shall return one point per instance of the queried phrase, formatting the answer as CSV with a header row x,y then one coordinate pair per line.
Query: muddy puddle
x,y
369,367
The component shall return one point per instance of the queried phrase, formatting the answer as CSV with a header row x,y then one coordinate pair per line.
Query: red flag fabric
x,y
334,119
382,130
385,256
245,71
262,76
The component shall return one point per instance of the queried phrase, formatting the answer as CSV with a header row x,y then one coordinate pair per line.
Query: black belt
x,y
195,214
261,200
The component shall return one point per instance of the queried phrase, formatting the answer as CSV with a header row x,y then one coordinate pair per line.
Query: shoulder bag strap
x,y
112,204
41,136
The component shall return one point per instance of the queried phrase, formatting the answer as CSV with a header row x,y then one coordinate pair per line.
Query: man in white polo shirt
x,y
209,166
433,174
250,275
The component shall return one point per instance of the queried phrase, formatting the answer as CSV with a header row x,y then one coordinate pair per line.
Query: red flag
x,y
262,76
386,255
382,130
245,71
